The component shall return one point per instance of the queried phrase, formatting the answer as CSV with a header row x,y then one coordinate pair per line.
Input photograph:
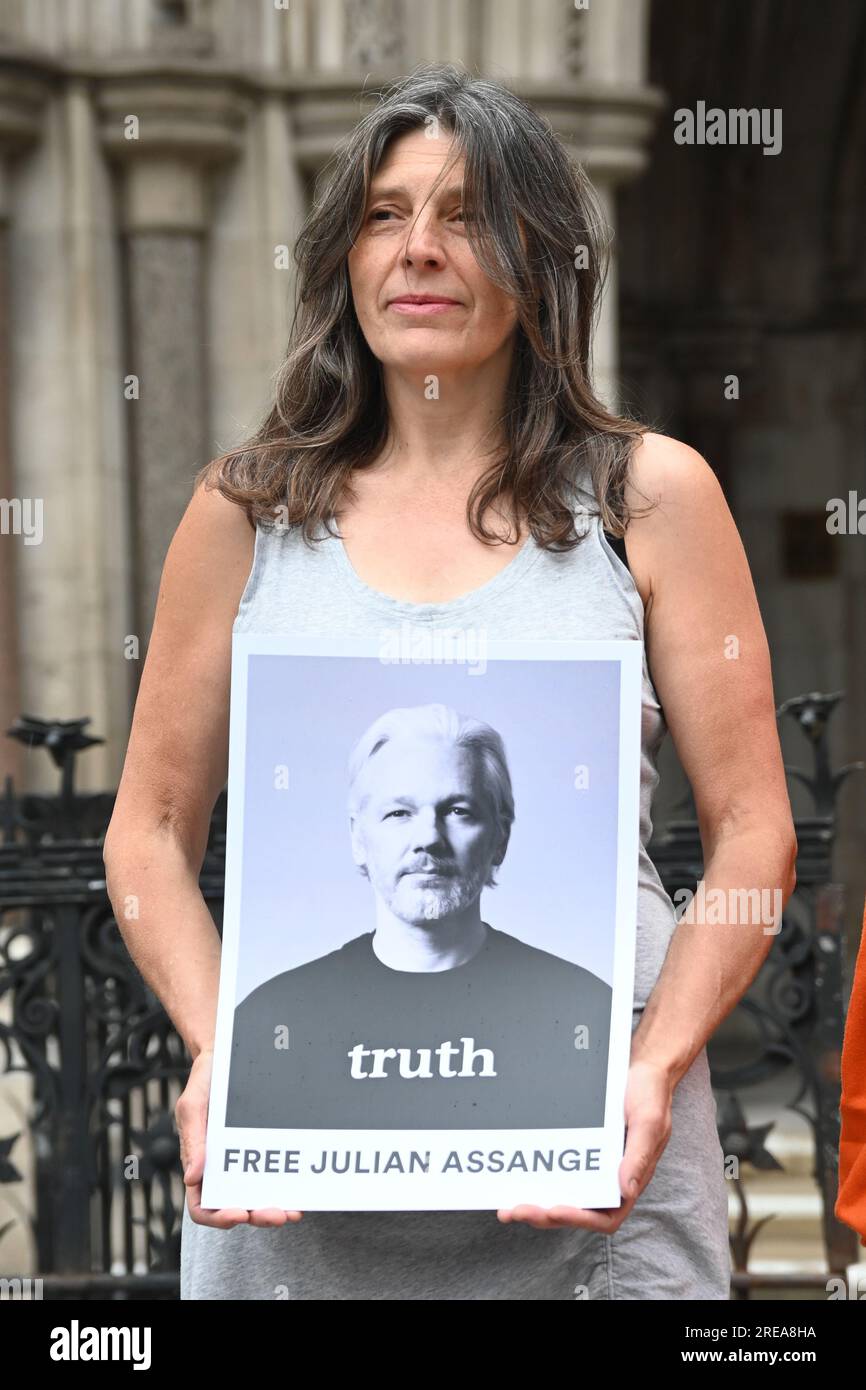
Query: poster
x,y
428,939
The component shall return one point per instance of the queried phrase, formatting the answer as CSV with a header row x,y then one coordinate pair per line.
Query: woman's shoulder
x,y
672,493
215,525
670,470
211,509
210,555
677,510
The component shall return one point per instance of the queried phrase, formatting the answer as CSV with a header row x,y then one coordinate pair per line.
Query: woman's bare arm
x,y
690,569
710,666
176,765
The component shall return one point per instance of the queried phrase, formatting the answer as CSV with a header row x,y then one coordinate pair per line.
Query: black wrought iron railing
x,y
91,1067
786,1033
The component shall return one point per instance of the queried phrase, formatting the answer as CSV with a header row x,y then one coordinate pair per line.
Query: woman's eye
x,y
380,215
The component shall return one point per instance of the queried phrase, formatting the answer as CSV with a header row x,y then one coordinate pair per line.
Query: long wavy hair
x,y
537,230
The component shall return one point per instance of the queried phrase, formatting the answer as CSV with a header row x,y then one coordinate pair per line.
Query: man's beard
x,y
413,903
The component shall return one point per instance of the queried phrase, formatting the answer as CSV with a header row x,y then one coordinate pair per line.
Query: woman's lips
x,y
430,306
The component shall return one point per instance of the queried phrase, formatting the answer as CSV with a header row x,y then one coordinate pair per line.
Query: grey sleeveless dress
x,y
674,1243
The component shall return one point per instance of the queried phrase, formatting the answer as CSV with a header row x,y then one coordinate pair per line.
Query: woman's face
x,y
396,256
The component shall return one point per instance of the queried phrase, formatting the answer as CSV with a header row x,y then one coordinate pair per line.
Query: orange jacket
x,y
851,1199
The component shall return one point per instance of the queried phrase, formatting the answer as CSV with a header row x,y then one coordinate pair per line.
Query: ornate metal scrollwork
x,y
790,1023
106,1064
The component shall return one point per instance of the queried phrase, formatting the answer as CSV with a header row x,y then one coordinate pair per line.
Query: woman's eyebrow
x,y
454,190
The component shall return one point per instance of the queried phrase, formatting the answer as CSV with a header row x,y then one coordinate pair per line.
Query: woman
x,y
435,404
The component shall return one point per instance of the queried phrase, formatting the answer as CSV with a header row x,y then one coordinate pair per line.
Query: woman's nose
x,y
422,244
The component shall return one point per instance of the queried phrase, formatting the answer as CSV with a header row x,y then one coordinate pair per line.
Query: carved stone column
x,y
598,101
166,131
22,95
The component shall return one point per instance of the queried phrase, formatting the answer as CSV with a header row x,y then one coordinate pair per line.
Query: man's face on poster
x,y
426,830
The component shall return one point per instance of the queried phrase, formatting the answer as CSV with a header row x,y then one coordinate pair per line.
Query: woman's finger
x,y
602,1219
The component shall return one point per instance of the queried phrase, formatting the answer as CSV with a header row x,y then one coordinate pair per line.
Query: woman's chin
x,y
426,356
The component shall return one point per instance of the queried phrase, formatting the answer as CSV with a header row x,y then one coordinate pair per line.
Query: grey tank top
x,y
294,589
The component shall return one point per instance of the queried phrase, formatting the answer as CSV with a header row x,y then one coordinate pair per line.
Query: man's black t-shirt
x,y
545,1020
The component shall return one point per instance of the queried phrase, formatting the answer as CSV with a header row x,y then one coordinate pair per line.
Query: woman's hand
x,y
191,1115
648,1096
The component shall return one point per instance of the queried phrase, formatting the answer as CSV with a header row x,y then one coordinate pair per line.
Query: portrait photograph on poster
x,y
427,969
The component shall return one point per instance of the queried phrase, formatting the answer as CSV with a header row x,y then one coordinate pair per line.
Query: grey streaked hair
x,y
530,207
437,721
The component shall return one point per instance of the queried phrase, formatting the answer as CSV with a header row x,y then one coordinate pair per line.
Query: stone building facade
x,y
155,155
